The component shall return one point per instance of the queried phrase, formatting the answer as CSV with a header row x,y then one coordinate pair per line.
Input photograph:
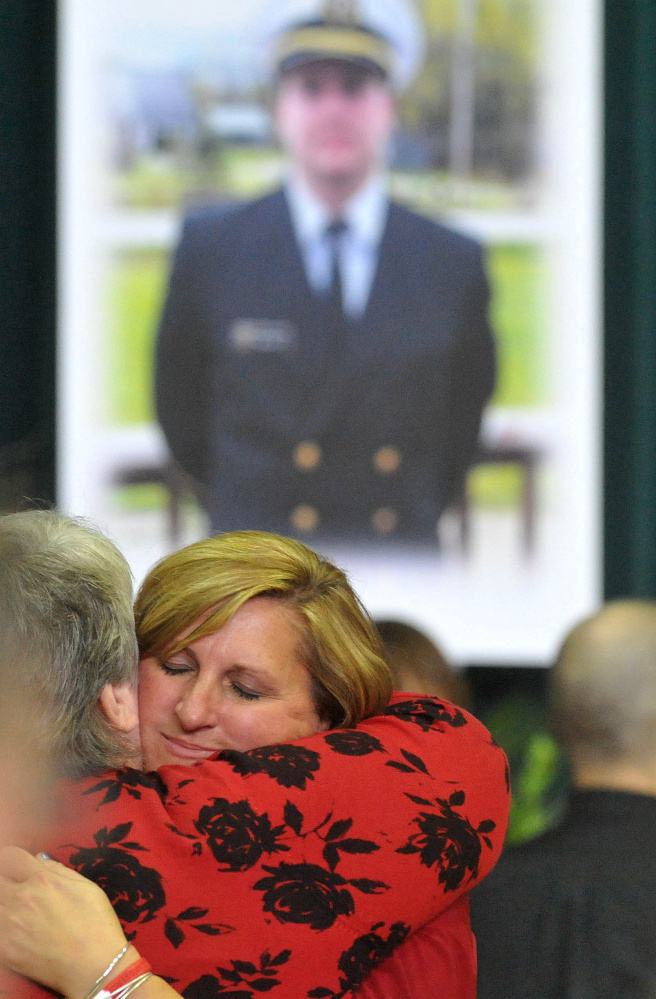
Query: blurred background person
x,y
418,665
324,355
572,913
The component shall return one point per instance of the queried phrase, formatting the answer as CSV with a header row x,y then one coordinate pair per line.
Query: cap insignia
x,y
345,13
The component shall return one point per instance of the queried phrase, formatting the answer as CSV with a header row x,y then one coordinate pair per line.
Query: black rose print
x,y
261,978
175,934
353,743
413,765
368,951
428,713
305,893
130,781
135,891
236,835
336,841
207,987
289,766
363,956
448,840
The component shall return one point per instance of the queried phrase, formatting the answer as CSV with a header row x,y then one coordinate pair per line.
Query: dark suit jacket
x,y
572,915
249,366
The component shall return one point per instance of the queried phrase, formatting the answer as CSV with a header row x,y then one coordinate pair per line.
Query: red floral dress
x,y
297,869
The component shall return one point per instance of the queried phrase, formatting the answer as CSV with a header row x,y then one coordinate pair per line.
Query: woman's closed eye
x,y
247,695
182,667
173,668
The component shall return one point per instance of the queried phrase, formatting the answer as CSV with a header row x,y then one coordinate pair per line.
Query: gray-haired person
x,y
67,641
571,914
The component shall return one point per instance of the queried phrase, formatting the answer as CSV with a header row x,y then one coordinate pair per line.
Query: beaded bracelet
x,y
96,985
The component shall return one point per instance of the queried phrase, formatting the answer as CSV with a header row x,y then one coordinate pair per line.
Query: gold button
x,y
387,460
304,518
307,456
384,520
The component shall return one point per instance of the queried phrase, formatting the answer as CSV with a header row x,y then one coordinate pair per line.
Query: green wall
x,y
27,249
630,288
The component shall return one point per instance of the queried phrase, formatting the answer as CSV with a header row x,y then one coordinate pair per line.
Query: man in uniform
x,y
325,355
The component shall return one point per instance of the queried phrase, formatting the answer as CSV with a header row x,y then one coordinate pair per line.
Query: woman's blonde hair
x,y
215,577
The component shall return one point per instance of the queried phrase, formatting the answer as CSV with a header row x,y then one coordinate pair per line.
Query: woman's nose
x,y
200,705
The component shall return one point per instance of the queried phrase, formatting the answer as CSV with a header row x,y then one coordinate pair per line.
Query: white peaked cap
x,y
396,21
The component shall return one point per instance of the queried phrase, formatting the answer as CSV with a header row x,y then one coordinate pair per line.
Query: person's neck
x,y
616,777
335,192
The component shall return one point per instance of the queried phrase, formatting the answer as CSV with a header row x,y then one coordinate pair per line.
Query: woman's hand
x,y
55,925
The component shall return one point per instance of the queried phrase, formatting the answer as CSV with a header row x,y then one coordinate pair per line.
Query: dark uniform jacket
x,y
296,421
572,915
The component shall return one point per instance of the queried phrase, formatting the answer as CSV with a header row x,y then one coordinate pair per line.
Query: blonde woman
x,y
296,866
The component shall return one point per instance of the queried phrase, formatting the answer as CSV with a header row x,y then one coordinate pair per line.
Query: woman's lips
x,y
188,750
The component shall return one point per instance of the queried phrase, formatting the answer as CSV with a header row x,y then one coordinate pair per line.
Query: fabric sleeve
x,y
439,959
290,865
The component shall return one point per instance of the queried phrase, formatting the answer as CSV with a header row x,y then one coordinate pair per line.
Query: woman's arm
x,y
59,928
277,867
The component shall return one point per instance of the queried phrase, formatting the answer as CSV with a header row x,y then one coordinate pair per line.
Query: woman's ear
x,y
118,703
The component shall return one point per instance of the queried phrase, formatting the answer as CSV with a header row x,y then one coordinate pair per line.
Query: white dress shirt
x,y
365,215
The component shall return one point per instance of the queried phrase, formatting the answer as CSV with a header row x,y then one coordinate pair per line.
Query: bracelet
x,y
125,990
96,985
126,977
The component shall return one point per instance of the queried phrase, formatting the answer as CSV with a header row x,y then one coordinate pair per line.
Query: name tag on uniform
x,y
268,335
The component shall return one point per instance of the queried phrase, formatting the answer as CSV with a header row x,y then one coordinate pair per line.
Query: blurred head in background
x,y
418,665
603,698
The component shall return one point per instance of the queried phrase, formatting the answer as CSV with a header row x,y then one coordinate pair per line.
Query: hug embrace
x,y
261,811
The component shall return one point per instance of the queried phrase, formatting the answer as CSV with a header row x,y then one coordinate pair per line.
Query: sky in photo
x,y
167,34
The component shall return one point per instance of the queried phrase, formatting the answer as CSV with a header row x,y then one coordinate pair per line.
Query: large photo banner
x,y
332,269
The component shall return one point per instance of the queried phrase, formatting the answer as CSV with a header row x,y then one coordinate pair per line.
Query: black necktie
x,y
334,234
321,386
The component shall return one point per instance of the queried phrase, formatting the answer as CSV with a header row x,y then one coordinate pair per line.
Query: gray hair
x,y
66,605
603,687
